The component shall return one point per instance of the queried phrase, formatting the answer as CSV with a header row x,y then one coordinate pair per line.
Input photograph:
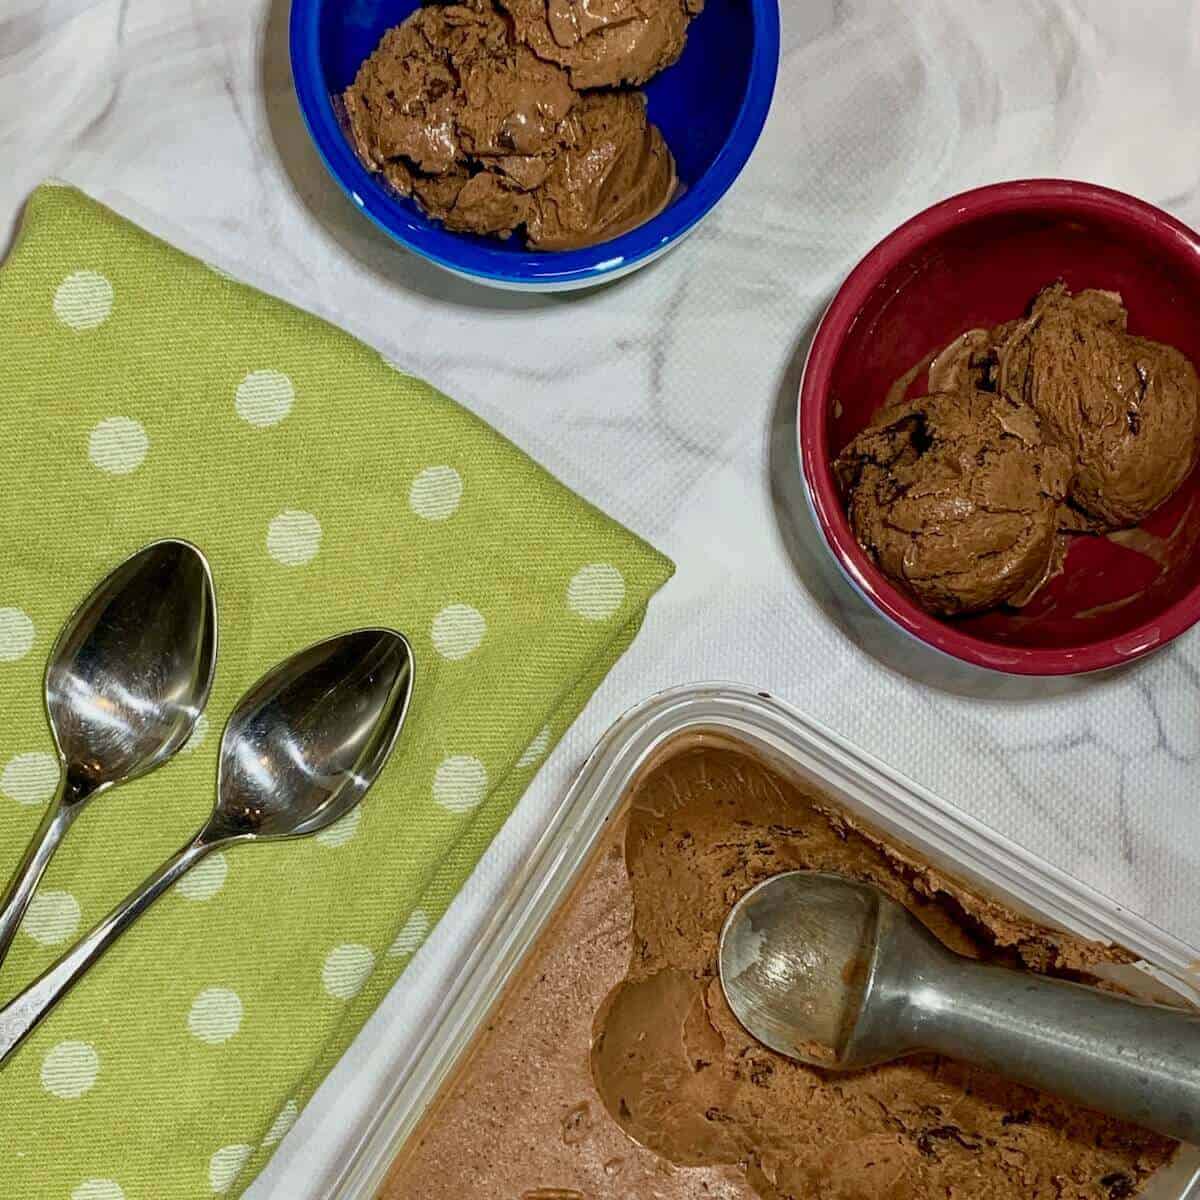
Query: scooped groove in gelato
x,y
1054,425
478,112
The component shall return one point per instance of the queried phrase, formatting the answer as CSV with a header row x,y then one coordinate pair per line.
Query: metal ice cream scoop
x,y
836,974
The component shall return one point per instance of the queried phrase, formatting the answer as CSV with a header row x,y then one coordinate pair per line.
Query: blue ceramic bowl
x,y
710,106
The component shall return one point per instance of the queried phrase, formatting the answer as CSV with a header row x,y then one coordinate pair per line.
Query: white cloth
x,y
668,399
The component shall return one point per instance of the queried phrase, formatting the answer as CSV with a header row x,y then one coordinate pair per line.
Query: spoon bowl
x,y
132,669
307,740
126,680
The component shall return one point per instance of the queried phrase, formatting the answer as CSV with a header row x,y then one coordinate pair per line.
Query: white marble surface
x,y
668,398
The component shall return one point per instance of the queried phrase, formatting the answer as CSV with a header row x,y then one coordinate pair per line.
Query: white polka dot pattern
x,y
205,879
341,831
98,1189
16,634
535,751
409,939
435,493
83,301
30,778
457,631
264,398
215,1015
596,591
460,783
52,917
346,969
226,1165
70,1069
287,1117
118,445
293,537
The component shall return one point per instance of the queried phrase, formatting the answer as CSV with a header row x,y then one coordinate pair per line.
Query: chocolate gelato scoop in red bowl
x,y
976,263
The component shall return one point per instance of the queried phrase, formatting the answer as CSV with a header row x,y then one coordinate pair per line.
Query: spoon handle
x,y
21,1015
55,823
1139,1062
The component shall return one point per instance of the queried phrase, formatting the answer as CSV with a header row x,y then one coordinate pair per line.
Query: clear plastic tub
x,y
799,747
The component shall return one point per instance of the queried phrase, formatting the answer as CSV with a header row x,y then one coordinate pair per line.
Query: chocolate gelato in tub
x,y
612,1067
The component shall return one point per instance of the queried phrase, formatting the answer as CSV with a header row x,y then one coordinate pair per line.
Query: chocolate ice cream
x,y
605,43
956,497
1125,408
963,517
614,172
477,116
613,1068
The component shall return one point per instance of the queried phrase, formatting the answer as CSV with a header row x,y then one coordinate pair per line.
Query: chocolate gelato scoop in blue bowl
x,y
709,105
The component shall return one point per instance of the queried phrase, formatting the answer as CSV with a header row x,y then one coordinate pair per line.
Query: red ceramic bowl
x,y
978,259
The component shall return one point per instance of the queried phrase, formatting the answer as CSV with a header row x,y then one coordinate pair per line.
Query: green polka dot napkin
x,y
143,395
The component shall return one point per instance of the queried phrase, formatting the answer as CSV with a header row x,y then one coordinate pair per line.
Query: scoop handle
x,y
26,1010
1139,1062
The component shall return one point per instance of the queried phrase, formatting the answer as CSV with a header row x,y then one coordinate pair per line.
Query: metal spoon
x,y
836,974
126,680
299,751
